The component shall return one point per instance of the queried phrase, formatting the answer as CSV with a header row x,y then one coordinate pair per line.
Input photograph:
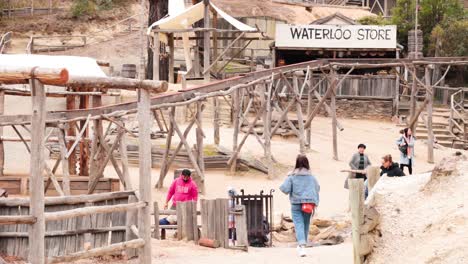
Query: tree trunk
x,y
157,10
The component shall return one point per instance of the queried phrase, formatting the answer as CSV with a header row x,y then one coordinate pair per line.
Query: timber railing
x,y
457,111
5,41
77,227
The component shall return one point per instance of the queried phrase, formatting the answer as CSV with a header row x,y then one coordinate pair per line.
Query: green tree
x,y
374,20
450,39
403,16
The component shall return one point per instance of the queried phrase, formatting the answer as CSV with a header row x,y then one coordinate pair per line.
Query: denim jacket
x,y
302,187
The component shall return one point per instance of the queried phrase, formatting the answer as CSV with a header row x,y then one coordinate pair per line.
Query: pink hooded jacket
x,y
181,191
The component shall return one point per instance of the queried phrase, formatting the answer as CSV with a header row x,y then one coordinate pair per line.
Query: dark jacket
x,y
392,171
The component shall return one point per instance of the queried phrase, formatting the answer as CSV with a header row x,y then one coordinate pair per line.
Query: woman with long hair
x,y
406,146
303,190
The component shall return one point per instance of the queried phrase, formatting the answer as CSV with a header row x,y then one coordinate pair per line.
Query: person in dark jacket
x,y
390,168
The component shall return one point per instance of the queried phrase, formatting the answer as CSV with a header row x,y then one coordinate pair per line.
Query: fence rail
x,y
5,41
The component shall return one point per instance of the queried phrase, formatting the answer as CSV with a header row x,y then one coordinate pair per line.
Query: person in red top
x,y
182,189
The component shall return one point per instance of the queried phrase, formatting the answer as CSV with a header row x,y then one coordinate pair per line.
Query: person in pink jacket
x,y
182,189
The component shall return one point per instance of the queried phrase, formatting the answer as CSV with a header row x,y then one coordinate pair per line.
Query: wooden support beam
x,y
183,139
71,105
334,120
170,43
17,219
229,46
165,164
267,129
430,131
300,120
200,136
356,201
124,160
216,119
236,124
310,91
156,233
2,147
144,148
84,146
102,251
20,75
206,41
36,209
373,175
84,211
64,162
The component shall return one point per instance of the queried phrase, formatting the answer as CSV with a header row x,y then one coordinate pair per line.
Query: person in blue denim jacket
x,y
302,188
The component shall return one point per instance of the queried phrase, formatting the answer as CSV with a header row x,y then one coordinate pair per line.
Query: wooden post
x,y
216,114
414,90
84,147
36,208
144,140
309,109
165,164
356,200
171,57
373,175
267,129
63,155
430,98
132,216
96,144
396,103
156,52
156,233
300,120
215,39
71,105
206,40
334,121
199,135
124,159
236,116
2,147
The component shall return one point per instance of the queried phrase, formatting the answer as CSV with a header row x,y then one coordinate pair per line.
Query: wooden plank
x,y
131,219
17,219
240,219
236,118
165,164
225,221
144,133
103,251
216,119
334,120
196,236
37,231
2,147
124,160
199,137
356,200
206,41
430,98
300,120
267,129
64,162
60,215
156,233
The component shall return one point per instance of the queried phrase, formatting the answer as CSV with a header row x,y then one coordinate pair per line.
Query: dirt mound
x,y
428,224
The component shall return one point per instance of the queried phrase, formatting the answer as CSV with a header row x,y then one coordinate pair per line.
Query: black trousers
x,y
410,167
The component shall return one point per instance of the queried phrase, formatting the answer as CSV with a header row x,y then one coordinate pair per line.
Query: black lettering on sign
x,y
318,34
295,33
387,34
326,33
347,34
311,32
373,34
360,34
338,34
304,34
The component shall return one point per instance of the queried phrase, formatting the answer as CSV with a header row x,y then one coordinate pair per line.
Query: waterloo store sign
x,y
336,36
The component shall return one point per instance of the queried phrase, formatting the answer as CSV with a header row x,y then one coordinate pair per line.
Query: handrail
x,y
6,38
29,47
454,112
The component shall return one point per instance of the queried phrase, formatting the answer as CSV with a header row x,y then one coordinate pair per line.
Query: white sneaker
x,y
301,251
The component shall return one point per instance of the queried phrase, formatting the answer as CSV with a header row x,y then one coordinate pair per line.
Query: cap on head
x,y
231,191
186,172
361,146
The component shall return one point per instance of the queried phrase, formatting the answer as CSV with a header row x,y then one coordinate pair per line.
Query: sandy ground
x,y
379,137
432,228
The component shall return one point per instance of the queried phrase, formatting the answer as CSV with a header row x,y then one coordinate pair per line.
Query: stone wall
x,y
359,109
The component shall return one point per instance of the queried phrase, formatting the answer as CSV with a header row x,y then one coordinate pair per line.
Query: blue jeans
x,y
301,223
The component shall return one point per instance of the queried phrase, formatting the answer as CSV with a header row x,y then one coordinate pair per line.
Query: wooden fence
x,y
70,235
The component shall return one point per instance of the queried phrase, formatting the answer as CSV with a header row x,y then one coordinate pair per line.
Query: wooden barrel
x,y
129,71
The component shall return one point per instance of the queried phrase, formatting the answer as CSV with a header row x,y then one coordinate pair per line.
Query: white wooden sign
x,y
336,36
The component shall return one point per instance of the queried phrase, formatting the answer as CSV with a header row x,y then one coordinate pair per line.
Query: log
x,y
68,200
60,215
103,251
373,175
17,219
37,162
58,233
99,83
429,98
21,75
206,242
356,200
